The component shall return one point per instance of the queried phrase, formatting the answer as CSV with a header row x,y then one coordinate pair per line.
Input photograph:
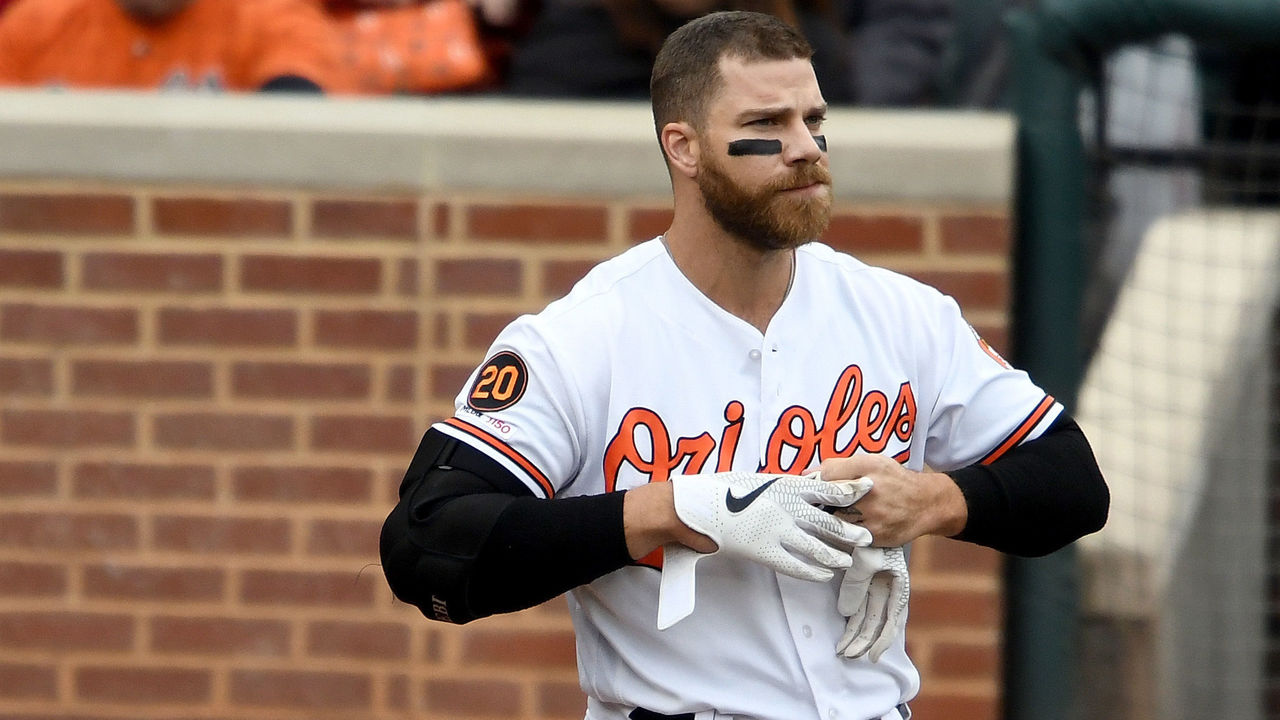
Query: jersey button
x,y
808,631
833,713
754,354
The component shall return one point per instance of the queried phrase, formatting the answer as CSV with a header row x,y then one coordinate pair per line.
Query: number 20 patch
x,y
500,384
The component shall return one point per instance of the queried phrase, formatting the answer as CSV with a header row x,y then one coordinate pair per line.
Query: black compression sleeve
x,y
467,539
541,548
1038,497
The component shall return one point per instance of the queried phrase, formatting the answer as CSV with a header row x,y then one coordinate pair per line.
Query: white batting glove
x,y
766,518
873,595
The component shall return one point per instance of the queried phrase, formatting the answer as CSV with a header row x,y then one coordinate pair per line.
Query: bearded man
x,y
720,441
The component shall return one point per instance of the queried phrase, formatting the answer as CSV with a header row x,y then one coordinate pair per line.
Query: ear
x,y
680,143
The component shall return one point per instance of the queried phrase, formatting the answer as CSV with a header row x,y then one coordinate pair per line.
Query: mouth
x,y
812,188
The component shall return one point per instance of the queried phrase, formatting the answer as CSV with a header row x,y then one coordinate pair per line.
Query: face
x,y
775,199
152,10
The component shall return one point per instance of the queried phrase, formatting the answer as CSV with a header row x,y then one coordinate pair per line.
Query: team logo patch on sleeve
x,y
986,348
500,384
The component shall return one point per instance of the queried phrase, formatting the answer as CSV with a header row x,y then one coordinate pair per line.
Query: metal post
x,y
1042,613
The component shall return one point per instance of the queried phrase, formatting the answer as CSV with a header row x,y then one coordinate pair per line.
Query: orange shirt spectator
x,y
238,45
405,46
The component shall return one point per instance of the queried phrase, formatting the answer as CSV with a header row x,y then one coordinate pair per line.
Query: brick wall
x,y
210,391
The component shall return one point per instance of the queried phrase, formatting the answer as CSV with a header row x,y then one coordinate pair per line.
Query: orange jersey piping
x,y
506,450
1021,431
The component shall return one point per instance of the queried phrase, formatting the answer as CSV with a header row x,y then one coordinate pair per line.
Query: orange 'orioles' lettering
x,y
729,438
798,434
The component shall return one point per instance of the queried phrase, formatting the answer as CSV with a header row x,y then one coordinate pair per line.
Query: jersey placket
x,y
767,354
805,637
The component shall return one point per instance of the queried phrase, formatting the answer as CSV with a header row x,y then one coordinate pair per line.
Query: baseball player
x,y
719,441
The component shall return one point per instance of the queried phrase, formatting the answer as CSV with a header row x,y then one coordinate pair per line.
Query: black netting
x,y
1181,592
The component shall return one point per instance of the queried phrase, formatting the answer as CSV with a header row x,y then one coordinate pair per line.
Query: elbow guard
x,y
450,501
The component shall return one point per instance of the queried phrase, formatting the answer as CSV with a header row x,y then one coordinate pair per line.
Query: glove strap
x,y
677,591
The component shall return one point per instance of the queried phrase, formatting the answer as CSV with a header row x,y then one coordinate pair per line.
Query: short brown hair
x,y
686,73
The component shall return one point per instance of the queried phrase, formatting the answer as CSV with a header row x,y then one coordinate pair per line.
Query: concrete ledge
x,y
426,145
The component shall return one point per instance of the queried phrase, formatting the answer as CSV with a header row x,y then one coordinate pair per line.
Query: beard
x,y
765,219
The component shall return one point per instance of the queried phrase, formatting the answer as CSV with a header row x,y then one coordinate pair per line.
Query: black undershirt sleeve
x,y
1038,497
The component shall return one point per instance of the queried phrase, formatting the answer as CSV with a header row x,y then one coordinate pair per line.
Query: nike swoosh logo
x,y
738,504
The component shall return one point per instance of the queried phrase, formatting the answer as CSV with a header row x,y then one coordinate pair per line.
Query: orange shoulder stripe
x,y
506,450
1021,431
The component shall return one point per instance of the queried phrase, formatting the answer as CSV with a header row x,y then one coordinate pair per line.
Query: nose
x,y
801,146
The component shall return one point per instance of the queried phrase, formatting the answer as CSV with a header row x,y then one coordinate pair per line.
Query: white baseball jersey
x,y
635,376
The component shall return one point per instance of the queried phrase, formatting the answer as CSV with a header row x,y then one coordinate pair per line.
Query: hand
x,y
774,519
903,504
769,519
873,595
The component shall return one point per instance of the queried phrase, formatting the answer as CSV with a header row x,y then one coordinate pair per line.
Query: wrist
x,y
646,519
649,521
951,510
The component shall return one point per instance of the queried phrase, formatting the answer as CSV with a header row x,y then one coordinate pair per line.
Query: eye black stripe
x,y
755,147
767,147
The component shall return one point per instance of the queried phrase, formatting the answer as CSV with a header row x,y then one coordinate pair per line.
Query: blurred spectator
x,y
910,53
896,50
976,67
605,48
885,53
236,45
408,46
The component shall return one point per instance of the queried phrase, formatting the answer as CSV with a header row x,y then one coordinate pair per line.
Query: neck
x,y
747,282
